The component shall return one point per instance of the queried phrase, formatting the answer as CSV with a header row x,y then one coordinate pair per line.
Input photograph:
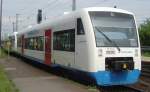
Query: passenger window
x,y
64,40
35,43
80,28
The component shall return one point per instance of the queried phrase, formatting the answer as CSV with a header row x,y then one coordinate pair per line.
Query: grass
x,y
93,88
2,54
146,53
6,85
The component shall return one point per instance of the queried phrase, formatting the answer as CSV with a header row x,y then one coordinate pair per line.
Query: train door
x,y
22,44
48,47
80,45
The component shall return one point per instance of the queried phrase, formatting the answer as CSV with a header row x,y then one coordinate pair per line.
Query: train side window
x,y
80,28
26,42
31,44
19,42
40,41
64,40
72,40
34,43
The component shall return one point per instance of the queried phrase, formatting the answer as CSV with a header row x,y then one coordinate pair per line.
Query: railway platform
x,y
31,79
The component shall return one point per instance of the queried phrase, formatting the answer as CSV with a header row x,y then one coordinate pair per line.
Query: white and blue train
x,y
102,42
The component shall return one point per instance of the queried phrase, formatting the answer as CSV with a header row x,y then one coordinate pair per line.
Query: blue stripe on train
x,y
107,78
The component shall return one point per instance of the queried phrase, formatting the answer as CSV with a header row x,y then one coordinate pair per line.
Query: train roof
x,y
78,12
107,9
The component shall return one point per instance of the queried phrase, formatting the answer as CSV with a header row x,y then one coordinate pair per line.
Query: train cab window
x,y
80,28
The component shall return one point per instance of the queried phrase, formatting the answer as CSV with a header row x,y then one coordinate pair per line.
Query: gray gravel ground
x,y
30,79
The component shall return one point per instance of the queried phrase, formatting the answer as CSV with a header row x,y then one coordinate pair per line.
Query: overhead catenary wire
x,y
31,11
67,6
48,8
49,4
54,4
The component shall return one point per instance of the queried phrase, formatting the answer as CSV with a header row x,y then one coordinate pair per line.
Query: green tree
x,y
144,32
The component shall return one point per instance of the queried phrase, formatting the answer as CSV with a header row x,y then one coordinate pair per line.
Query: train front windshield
x,y
114,29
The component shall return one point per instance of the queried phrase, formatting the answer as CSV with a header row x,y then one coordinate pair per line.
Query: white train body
x,y
107,35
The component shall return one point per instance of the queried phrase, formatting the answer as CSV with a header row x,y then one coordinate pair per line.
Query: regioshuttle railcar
x,y
100,41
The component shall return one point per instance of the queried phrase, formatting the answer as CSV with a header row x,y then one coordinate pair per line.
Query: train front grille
x,y
119,63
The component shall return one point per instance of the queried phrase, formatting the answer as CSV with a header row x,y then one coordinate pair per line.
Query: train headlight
x,y
136,53
100,52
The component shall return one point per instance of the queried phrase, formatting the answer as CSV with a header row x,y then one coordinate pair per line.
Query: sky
x,y
27,10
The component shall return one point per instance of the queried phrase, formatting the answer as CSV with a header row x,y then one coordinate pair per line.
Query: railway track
x,y
139,87
120,89
146,69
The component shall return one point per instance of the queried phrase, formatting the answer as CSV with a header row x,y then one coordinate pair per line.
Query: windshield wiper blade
x,y
114,43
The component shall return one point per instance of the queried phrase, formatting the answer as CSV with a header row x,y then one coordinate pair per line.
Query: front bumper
x,y
108,78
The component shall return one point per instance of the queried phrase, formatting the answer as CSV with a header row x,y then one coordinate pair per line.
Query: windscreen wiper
x,y
114,43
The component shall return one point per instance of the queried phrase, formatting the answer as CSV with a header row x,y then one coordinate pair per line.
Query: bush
x,y
144,32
